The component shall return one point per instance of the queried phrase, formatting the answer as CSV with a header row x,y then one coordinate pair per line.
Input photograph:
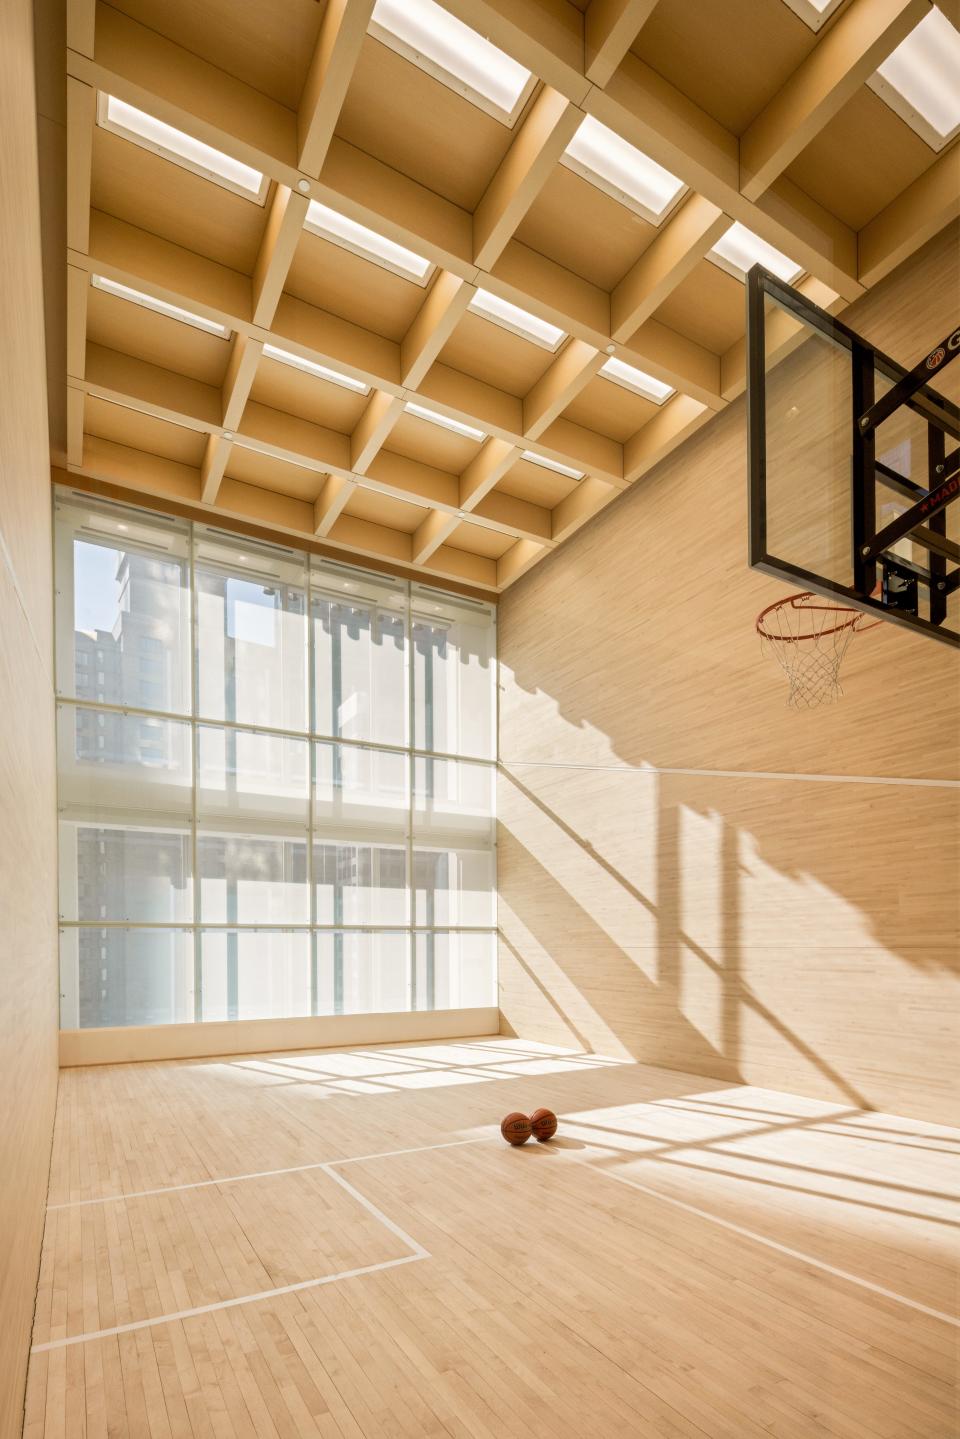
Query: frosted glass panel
x,y
249,774
123,762
252,634
125,976
452,887
360,883
359,651
362,973
123,619
454,655
262,975
453,799
125,874
252,879
360,789
454,971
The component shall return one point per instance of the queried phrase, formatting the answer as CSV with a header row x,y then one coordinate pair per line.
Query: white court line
x,y
418,1252
227,1303
260,1174
774,1244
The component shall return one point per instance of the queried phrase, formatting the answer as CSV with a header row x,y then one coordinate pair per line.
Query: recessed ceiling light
x,y
350,235
511,317
921,79
609,162
444,421
297,362
637,380
162,139
149,302
548,464
452,53
739,249
814,13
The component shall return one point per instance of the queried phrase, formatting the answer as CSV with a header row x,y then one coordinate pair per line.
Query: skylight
x,y
434,417
149,302
637,380
814,13
436,41
609,162
546,463
739,249
521,322
162,139
921,79
350,235
297,362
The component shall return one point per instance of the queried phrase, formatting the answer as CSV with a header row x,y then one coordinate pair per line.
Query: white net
x,y
809,638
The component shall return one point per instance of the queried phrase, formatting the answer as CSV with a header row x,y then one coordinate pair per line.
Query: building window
x,y
288,808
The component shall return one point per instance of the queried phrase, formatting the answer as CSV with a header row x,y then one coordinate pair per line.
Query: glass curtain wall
x,y
276,779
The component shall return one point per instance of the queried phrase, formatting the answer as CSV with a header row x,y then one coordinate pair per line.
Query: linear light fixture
x,y
612,164
149,302
436,41
310,367
547,464
636,380
434,417
350,235
162,139
814,13
739,249
520,322
920,81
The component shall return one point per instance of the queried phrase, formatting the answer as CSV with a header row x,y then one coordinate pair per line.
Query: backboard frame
x,y
942,419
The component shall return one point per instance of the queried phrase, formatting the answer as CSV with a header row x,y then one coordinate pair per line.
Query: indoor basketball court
x,y
480,750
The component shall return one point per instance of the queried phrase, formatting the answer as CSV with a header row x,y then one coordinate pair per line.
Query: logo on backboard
x,y
937,358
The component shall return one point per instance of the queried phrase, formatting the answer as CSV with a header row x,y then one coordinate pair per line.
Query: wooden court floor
x,y
339,1244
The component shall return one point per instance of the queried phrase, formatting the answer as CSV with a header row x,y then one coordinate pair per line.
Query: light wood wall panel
x,y
28,939
677,880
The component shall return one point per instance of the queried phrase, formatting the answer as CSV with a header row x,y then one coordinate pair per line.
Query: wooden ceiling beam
x,y
582,449
76,403
334,494
572,370
485,470
165,394
678,361
81,118
652,114
444,306
80,25
245,353
913,218
512,516
212,467
861,37
464,568
281,236
676,419
78,293
544,35
343,28
679,245
381,413
431,533
587,500
610,28
517,560
522,173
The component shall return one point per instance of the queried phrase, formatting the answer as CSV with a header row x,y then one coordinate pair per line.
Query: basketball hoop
x,y
809,639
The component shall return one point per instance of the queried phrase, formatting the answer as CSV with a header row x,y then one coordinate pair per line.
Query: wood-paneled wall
x,y
678,880
28,935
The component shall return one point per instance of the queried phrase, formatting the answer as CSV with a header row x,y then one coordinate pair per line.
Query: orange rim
x,y
794,602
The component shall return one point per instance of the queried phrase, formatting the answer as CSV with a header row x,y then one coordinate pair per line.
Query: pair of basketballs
x,y
517,1128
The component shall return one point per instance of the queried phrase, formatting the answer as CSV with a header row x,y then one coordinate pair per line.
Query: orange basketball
x,y
543,1123
515,1128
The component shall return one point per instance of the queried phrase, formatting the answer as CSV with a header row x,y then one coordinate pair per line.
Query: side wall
x,y
678,880
28,936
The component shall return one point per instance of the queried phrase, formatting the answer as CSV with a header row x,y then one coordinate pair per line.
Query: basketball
x,y
515,1128
543,1123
